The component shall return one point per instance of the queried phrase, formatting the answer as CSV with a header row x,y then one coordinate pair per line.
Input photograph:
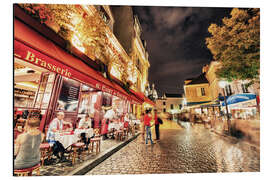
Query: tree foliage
x,y
236,44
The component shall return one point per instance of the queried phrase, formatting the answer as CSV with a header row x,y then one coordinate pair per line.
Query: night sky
x,y
175,38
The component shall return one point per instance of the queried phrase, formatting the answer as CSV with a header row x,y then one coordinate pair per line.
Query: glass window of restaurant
x,y
122,106
32,90
90,103
76,99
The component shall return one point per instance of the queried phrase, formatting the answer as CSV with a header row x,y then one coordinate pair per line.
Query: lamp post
x,y
222,85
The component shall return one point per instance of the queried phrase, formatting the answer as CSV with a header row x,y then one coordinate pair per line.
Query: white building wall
x,y
175,102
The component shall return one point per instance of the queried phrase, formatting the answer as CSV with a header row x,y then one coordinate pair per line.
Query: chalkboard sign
x,y
69,95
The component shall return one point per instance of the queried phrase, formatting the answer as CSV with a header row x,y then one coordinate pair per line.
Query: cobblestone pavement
x,y
180,150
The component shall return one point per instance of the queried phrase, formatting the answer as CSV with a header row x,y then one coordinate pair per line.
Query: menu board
x,y
69,95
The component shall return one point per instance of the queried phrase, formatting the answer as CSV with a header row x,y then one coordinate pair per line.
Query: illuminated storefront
x,y
50,80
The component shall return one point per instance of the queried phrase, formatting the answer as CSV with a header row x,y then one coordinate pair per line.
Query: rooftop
x,y
173,95
201,79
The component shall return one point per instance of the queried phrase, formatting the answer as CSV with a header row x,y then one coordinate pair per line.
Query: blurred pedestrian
x,y
147,123
142,126
156,125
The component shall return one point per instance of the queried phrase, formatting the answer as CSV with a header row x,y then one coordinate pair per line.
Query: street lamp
x,y
222,84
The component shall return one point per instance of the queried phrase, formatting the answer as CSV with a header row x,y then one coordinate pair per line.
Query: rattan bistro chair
x,y
28,171
45,152
45,149
75,148
96,141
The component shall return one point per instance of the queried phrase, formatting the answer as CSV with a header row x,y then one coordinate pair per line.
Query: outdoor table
x,y
88,132
66,138
112,126
116,126
136,121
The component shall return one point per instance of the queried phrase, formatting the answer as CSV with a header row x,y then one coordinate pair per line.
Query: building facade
x,y
170,103
197,92
70,59
233,89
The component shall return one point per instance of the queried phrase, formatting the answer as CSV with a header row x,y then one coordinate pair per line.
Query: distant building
x,y
197,91
234,88
203,94
170,103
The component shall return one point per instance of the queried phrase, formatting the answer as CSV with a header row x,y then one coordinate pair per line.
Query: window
x,y
202,91
164,103
104,15
244,88
228,90
171,106
69,95
139,65
164,110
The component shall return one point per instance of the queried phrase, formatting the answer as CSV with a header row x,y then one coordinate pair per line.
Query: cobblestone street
x,y
182,150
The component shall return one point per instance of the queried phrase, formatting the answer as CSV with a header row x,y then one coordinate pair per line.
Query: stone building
x,y
197,92
97,44
170,103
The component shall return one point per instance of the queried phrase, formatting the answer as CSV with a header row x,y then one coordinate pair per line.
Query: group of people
x,y
113,121
27,153
27,143
146,124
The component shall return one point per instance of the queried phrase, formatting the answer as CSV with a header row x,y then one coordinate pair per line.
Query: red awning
x,y
138,95
142,97
135,100
28,42
147,100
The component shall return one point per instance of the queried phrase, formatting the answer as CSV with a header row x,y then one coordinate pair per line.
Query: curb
x,y
233,138
90,164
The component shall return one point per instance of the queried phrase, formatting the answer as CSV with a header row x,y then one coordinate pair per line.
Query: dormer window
x,y
103,14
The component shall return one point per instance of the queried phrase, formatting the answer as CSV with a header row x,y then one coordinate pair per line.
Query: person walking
x,y
142,126
147,123
156,125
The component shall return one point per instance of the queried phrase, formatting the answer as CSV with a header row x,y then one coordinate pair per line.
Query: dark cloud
x,y
175,39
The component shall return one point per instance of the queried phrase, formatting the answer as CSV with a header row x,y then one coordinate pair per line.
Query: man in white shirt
x,y
110,116
85,123
55,126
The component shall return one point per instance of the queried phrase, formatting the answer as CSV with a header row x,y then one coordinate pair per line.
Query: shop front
x,y
242,106
142,104
48,80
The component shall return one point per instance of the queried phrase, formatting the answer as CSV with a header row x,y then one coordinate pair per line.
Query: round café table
x,y
88,132
66,138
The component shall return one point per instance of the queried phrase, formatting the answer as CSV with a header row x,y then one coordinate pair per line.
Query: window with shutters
x,y
203,91
244,88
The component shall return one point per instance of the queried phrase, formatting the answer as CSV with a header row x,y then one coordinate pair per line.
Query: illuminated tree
x,y
236,44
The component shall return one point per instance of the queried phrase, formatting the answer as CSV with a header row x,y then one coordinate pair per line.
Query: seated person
x,y
27,145
85,123
57,126
121,125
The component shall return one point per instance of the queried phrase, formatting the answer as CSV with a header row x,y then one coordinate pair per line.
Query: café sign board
x,y
37,58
